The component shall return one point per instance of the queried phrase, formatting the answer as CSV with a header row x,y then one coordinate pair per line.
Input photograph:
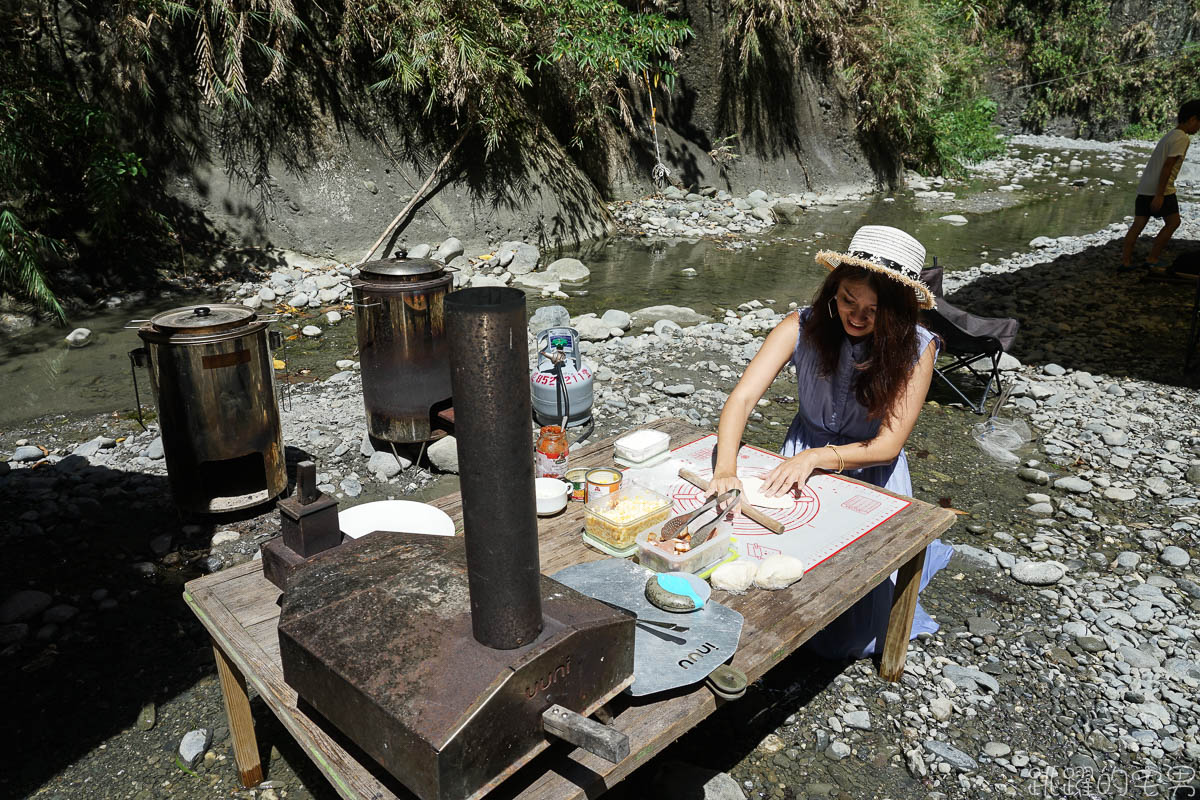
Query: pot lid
x,y
203,318
402,268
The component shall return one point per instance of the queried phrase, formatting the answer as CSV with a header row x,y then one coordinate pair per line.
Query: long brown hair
x,y
891,349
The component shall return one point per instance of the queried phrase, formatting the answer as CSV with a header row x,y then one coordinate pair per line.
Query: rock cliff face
x,y
1168,26
794,131
335,195
345,189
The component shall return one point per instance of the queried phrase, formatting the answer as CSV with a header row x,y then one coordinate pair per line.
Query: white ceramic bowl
x,y
405,516
551,495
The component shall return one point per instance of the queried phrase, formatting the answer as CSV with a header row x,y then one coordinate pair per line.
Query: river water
x,y
42,377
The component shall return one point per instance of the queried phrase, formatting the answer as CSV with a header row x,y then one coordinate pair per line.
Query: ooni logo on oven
x,y
542,684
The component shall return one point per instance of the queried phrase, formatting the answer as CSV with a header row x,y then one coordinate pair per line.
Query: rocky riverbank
x,y
1070,618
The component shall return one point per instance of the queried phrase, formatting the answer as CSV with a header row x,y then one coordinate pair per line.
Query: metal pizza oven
x,y
402,346
451,660
213,378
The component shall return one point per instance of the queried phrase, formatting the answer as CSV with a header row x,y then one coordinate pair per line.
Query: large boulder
x,y
82,337
27,452
443,454
326,280
549,317
386,464
91,448
448,250
592,329
12,323
488,280
518,257
615,318
680,315
569,270
537,280
788,213
23,605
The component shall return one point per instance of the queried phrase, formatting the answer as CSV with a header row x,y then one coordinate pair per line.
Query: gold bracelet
x,y
841,461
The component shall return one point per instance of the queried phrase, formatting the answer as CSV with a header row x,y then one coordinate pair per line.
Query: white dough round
x,y
752,493
734,576
778,572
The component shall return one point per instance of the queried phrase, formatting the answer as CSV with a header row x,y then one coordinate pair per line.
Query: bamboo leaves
x,y
226,33
476,59
22,256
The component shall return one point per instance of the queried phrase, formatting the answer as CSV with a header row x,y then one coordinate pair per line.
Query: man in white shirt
x,y
1156,190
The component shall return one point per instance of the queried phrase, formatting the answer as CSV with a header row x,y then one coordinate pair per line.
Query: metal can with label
x,y
602,481
577,477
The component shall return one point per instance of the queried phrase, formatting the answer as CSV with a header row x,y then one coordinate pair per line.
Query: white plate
x,y
405,516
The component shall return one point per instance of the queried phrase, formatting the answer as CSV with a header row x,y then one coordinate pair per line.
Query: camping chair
x,y
967,339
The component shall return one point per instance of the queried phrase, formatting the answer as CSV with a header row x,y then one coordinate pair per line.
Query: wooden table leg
x,y
904,605
241,724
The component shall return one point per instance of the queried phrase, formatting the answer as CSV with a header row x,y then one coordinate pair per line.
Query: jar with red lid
x,y
550,455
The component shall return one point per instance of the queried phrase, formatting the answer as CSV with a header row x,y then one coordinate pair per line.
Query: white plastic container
x,y
651,556
641,446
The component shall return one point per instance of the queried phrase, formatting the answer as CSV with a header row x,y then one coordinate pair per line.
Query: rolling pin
x,y
773,525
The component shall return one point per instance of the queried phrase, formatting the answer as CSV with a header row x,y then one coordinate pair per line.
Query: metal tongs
x,y
722,504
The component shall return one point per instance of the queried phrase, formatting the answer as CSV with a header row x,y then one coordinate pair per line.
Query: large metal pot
x,y
402,346
213,377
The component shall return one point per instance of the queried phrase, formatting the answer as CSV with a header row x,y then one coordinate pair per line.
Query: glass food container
x,y
618,518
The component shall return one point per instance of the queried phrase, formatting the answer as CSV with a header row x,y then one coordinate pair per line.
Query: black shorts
x,y
1141,206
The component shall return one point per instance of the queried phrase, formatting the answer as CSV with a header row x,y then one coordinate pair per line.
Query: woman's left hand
x,y
792,472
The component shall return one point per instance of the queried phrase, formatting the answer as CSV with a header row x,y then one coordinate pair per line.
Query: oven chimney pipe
x,y
489,378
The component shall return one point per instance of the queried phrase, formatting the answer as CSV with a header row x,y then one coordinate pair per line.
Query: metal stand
x,y
137,358
989,378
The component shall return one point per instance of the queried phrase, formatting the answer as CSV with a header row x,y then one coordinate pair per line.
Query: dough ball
x,y
778,572
734,576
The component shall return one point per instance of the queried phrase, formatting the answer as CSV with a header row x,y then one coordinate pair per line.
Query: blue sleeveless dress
x,y
829,413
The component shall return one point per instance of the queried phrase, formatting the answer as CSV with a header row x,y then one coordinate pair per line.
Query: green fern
x,y
23,254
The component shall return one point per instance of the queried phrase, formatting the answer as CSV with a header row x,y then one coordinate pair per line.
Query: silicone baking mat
x,y
830,513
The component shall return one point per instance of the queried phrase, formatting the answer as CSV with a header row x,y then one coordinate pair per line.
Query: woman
x,y
863,366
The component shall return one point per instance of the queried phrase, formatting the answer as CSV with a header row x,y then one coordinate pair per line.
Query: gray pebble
x,y
837,751
857,719
24,605
952,755
1174,556
1038,573
27,453
193,745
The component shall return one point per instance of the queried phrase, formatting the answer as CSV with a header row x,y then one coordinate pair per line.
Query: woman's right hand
x,y
721,484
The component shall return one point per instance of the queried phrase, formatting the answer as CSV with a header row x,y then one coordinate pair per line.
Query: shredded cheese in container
x,y
618,518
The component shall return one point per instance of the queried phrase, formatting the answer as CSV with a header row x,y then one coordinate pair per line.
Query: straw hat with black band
x,y
888,251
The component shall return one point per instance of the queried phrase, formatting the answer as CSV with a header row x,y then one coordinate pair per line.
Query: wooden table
x,y
239,608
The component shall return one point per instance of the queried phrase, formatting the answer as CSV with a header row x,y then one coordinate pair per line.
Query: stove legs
x,y
241,724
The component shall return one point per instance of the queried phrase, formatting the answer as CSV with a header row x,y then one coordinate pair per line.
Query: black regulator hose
x,y
563,404
560,393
